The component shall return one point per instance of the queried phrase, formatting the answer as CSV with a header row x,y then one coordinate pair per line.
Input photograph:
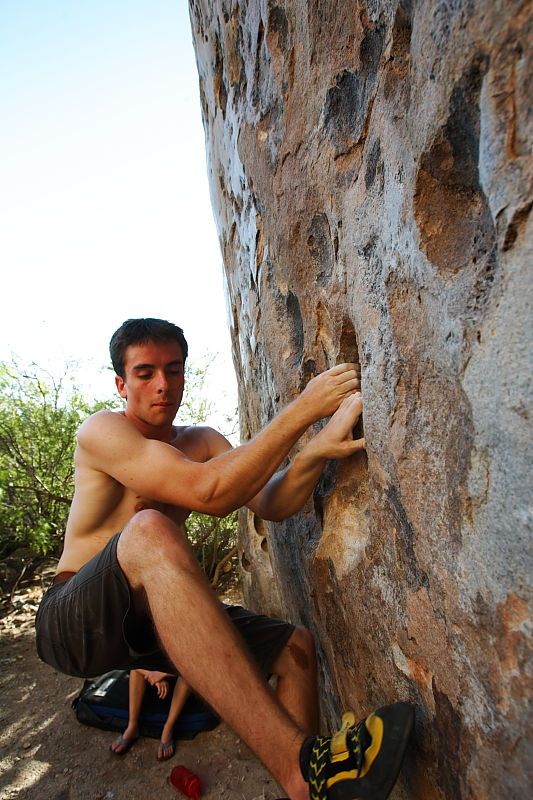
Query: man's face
x,y
153,382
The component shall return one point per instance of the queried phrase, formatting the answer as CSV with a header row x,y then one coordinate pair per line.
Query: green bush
x,y
39,417
214,541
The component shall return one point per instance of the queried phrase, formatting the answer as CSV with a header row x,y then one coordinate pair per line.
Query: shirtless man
x,y
129,593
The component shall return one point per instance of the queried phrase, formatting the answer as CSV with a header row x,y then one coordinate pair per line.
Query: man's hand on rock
x,y
335,440
324,394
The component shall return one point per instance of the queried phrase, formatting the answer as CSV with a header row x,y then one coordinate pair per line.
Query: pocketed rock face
x,y
372,189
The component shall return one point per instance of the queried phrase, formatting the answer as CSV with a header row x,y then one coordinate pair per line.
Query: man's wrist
x,y
311,456
306,414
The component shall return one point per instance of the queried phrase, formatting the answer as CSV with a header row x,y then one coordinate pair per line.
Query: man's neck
x,y
163,433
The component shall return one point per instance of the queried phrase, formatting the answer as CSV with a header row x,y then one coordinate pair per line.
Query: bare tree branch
x,y
43,492
221,563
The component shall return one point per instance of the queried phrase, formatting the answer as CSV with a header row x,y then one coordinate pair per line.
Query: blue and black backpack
x,y
103,703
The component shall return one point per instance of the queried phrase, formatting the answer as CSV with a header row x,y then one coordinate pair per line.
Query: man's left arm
x,y
288,490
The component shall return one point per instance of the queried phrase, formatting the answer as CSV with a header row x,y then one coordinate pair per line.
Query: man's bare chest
x,y
193,448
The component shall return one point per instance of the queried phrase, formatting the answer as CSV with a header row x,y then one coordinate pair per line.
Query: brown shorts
x,y
86,625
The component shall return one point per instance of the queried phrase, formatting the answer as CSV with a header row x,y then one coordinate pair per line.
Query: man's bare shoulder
x,y
103,419
103,423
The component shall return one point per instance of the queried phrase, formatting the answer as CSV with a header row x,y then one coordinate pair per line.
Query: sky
x,y
104,200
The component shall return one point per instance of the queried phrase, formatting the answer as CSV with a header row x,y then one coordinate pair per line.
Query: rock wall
x,y
371,183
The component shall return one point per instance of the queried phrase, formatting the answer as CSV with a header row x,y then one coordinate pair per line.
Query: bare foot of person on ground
x,y
123,742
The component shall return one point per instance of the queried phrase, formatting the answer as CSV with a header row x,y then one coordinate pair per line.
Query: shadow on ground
x,y
46,754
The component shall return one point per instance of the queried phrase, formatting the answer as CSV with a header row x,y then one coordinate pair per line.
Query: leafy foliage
x,y
214,539
39,417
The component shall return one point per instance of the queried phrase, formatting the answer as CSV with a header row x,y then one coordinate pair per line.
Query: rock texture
x,y
371,183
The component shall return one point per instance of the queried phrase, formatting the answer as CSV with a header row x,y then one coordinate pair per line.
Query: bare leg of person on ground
x,y
203,644
179,698
137,686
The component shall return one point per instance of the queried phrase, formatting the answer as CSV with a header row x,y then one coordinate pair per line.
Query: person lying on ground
x,y
130,594
137,685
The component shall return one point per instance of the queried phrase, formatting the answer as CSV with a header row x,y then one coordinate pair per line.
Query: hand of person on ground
x,y
159,681
161,688
325,392
335,440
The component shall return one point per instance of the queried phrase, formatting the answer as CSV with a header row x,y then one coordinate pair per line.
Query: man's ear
x,y
120,383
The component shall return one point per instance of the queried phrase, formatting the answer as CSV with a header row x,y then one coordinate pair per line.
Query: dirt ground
x,y
46,754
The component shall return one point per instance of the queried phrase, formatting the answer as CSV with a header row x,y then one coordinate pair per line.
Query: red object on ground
x,y
186,781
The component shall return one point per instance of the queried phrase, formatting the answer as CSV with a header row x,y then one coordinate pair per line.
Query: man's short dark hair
x,y
141,331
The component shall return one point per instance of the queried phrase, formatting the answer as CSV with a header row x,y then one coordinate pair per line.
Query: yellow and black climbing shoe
x,y
361,761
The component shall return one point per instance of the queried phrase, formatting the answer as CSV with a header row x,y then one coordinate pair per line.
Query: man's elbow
x,y
270,514
214,500
276,516
221,510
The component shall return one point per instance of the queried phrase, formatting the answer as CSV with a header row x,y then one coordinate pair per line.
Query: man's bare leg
x,y
296,688
204,645
137,685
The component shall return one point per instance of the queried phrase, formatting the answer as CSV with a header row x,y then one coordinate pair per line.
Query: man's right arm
x,y
112,445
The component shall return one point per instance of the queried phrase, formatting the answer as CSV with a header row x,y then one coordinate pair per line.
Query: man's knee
x,y
303,641
151,536
299,652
